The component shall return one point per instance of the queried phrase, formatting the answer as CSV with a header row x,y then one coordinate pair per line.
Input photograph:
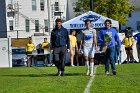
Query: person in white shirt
x,y
89,44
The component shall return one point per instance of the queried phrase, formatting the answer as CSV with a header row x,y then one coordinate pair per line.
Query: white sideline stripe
x,y
87,89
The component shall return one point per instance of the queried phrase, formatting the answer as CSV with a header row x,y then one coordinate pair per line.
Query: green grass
x,y
127,80
42,80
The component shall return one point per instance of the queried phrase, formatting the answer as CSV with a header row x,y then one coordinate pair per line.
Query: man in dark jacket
x,y
59,44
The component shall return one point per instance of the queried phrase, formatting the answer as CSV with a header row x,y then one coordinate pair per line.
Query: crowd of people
x,y
87,44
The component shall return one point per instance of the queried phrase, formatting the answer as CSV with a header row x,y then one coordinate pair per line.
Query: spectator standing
x,y
46,48
45,44
128,41
73,46
29,49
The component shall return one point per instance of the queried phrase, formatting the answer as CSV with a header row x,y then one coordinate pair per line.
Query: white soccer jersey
x,y
88,35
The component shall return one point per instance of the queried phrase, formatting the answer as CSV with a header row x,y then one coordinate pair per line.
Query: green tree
x,y
115,9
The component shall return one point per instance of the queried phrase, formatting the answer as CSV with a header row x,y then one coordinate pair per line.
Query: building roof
x,y
136,3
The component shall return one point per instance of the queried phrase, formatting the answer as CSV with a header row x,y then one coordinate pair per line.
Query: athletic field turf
x,y
42,80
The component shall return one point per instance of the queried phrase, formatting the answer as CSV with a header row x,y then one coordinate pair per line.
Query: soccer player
x,y
89,44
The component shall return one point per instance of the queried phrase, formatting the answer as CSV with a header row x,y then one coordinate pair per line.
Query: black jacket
x,y
59,37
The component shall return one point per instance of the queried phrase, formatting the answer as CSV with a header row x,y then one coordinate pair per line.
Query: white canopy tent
x,y
97,21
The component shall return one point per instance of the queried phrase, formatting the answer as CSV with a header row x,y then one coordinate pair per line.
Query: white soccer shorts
x,y
89,51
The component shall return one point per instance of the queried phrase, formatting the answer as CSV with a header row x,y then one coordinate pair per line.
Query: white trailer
x,y
5,52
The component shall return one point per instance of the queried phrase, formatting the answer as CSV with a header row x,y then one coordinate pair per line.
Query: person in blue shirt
x,y
108,37
137,37
59,44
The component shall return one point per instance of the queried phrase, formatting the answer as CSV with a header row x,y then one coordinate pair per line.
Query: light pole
x,y
49,16
91,5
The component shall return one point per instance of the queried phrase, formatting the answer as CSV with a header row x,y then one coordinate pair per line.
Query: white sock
x,y
87,67
87,63
91,67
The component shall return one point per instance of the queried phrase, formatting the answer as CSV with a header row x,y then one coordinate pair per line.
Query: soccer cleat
x,y
87,72
58,73
62,73
73,65
114,72
77,64
91,74
107,72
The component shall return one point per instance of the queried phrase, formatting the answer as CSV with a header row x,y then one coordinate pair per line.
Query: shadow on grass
x,y
44,75
69,74
28,75
100,74
103,74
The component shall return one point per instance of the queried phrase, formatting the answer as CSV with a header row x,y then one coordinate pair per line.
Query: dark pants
x,y
110,53
29,59
138,50
59,56
116,54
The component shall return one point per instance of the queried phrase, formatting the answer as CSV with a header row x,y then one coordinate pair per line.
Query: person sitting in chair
x,y
40,50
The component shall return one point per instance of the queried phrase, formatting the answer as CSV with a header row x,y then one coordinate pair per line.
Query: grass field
x,y
42,80
127,80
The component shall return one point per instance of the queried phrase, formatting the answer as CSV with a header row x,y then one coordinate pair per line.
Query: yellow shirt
x,y
45,44
73,41
128,42
30,47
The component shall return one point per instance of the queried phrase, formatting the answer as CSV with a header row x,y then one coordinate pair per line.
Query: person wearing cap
x,y
59,43
108,37
73,46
